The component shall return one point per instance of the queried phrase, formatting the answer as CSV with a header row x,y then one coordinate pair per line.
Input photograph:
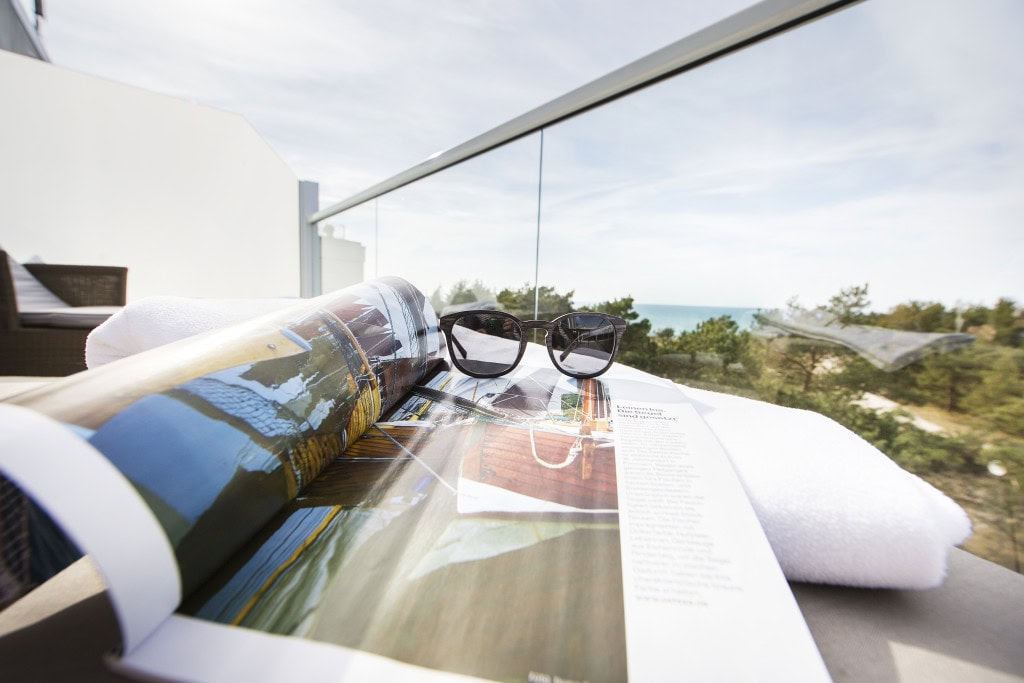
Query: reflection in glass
x,y
863,171
858,181
464,233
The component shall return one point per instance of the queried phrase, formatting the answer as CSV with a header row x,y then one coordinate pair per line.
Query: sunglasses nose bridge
x,y
542,325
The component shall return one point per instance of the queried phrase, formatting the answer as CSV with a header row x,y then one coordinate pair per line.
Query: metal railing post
x,y
309,240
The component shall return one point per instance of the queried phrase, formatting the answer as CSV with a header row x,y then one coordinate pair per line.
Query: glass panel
x,y
466,233
864,170
797,214
348,247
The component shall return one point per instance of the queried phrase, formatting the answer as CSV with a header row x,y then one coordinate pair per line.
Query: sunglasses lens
x,y
486,343
583,344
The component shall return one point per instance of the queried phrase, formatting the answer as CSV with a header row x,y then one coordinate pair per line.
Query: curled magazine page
x,y
217,433
49,462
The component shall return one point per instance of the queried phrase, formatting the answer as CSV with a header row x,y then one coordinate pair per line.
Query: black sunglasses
x,y
491,343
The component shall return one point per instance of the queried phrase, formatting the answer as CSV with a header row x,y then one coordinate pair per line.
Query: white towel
x,y
158,320
834,508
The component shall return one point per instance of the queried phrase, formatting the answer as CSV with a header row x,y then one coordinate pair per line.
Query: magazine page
x,y
217,433
483,528
51,463
705,598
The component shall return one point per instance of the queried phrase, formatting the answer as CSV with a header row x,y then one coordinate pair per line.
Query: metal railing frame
x,y
747,27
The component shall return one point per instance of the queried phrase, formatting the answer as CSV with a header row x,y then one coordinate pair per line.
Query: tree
x,y
1004,319
666,340
801,360
462,292
637,348
437,299
861,376
946,378
1009,416
971,316
1000,381
849,305
919,316
520,302
720,336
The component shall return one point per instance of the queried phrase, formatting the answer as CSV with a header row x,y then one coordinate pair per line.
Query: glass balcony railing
x,y
759,218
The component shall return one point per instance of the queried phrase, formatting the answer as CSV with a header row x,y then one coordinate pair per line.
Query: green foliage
x,y
892,433
919,451
462,292
1004,319
918,316
850,305
720,336
571,407
637,349
984,381
972,316
1009,416
945,379
803,361
999,380
1010,454
861,376
622,308
520,302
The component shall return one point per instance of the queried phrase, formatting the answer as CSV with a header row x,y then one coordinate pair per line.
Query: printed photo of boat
x,y
370,555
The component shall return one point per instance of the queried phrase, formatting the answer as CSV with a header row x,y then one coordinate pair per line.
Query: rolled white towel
x,y
158,320
835,509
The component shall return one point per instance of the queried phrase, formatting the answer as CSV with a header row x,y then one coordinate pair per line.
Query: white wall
x,y
189,198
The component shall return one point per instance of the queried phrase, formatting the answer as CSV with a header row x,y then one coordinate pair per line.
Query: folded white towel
x,y
158,320
834,508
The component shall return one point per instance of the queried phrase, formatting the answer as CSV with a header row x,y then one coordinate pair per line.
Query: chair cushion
x,y
80,317
31,294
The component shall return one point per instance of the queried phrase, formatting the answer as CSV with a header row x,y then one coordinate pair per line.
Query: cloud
x,y
347,92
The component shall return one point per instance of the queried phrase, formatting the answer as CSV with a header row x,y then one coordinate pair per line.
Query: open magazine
x,y
317,494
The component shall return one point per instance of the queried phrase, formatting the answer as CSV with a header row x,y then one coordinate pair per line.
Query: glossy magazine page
x,y
473,530
218,432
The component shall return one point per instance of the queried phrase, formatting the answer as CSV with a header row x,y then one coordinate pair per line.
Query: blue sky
x,y
881,145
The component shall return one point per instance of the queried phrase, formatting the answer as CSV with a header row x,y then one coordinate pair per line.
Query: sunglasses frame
x,y
447,324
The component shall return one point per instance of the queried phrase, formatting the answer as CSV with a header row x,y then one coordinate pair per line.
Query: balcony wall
x,y
189,198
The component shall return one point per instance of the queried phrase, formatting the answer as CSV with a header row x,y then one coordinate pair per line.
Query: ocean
x,y
686,318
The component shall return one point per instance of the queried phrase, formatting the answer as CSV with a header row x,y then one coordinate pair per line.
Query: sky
x,y
882,145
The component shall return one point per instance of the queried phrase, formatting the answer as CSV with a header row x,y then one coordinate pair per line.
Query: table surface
x,y
969,629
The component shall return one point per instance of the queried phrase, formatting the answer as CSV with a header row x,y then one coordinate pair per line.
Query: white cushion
x,y
30,293
82,317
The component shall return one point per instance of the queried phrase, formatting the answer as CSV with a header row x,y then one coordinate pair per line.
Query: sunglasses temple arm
x,y
576,342
462,349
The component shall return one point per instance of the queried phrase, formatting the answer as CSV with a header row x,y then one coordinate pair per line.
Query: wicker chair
x,y
54,351
43,351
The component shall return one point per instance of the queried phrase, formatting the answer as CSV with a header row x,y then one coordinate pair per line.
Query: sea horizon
x,y
687,318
